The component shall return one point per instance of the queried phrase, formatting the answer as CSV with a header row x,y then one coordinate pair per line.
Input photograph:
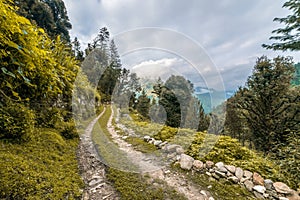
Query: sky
x,y
213,43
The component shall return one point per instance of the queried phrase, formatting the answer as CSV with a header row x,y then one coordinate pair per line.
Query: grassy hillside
x,y
44,167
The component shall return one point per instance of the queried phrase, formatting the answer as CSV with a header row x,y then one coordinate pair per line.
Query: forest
x,y
51,88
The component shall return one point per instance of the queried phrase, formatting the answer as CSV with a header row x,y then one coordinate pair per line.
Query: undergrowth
x,y
133,186
44,167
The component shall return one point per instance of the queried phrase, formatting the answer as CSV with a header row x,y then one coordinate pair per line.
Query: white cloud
x,y
230,31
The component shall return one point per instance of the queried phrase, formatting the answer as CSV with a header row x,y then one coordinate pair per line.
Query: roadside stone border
x,y
252,181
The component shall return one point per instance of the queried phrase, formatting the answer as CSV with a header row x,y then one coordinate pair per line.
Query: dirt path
x,y
152,166
92,170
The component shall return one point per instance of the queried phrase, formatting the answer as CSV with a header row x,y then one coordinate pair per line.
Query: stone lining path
x,y
152,167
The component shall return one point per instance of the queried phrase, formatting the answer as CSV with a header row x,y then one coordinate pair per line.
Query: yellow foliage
x,y
32,65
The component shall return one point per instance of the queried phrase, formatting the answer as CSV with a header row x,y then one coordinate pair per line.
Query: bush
x,y
67,129
16,121
166,133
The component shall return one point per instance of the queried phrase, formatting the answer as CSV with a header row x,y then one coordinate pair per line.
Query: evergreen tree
x,y
182,89
288,36
143,105
204,119
268,104
78,53
50,15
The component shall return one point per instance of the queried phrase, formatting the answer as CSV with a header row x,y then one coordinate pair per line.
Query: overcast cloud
x,y
228,32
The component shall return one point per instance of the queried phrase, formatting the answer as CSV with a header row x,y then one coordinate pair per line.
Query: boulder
x,y
283,198
230,168
157,142
257,179
282,188
220,167
293,196
172,148
249,185
248,174
259,188
239,173
179,150
268,184
198,165
219,164
146,138
258,195
186,161
221,174
209,164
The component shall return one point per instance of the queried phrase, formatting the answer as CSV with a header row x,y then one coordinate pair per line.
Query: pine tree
x,y
288,36
143,105
268,104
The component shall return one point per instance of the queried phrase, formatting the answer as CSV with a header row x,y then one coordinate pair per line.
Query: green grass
x,y
109,152
133,186
140,145
45,167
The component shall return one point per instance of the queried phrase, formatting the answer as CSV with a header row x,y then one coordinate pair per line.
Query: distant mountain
x,y
211,98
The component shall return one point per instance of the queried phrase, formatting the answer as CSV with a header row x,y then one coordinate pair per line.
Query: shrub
x,y
67,129
16,121
166,133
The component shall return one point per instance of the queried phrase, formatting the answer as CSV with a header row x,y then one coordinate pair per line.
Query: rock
x,y
258,195
249,185
209,164
220,167
211,198
198,165
233,179
157,142
203,193
172,148
186,161
146,138
293,196
239,173
230,168
179,150
248,174
259,188
163,144
215,176
221,174
124,137
268,184
282,188
257,179
283,198
244,179
94,182
208,173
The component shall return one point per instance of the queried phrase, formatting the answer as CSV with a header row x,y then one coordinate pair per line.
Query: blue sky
x,y
228,32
